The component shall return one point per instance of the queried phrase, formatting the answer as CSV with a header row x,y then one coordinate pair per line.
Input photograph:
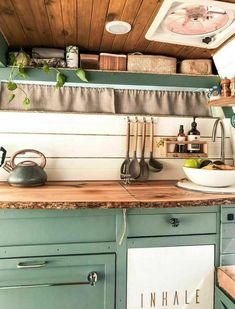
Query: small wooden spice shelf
x,y
170,154
223,101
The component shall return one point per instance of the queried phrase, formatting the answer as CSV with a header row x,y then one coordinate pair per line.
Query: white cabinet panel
x,y
171,277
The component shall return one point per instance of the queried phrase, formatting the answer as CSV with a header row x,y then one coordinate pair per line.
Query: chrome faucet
x,y
222,136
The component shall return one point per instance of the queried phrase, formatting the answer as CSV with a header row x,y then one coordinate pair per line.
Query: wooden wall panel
x,y
98,17
54,13
69,12
115,10
41,22
92,147
140,43
10,25
82,22
84,12
129,14
28,19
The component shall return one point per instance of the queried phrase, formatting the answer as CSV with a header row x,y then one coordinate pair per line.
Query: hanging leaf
x,y
11,86
82,75
26,103
21,71
60,80
11,97
46,68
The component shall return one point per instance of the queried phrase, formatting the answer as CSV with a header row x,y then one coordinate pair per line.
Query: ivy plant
x,y
18,69
61,78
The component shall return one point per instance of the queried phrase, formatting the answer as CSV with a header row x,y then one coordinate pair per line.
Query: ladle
x,y
154,165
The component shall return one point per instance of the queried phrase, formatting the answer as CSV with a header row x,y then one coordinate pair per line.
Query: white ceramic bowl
x,y
210,178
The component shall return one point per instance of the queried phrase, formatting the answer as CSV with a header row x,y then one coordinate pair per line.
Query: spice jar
x,y
232,86
225,87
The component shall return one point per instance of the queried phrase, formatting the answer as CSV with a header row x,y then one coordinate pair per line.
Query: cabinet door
x,y
170,276
58,282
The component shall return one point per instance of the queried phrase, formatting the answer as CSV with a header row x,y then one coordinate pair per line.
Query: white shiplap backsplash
x,y
92,147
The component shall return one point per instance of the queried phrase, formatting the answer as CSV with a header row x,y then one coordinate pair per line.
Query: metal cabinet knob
x,y
230,217
174,222
92,278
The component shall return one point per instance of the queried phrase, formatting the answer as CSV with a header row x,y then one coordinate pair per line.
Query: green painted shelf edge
x,y
120,78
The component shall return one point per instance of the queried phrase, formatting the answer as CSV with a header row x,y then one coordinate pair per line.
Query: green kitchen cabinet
x,y
60,282
70,244
45,255
159,243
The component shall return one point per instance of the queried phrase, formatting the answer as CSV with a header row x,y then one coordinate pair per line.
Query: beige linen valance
x,y
107,100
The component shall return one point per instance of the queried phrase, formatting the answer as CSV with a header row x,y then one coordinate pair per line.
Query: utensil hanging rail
x,y
92,279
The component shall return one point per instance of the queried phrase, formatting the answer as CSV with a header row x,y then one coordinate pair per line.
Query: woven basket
x,y
196,66
153,64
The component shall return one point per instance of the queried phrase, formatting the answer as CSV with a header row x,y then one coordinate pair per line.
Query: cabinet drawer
x,y
32,227
58,282
171,224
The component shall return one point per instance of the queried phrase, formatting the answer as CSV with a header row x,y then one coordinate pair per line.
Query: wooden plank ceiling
x,y
57,23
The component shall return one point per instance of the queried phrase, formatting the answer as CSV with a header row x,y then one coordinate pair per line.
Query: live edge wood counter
x,y
76,195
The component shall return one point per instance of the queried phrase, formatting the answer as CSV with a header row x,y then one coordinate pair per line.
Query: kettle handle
x,y
4,152
24,151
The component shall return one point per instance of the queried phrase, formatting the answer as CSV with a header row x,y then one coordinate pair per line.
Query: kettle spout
x,y
7,166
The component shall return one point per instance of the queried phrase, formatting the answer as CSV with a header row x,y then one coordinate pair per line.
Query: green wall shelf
x,y
120,78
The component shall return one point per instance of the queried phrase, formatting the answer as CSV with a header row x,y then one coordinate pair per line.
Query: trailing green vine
x,y
18,69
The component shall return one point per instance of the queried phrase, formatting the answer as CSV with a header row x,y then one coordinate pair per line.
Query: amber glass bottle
x,y
193,135
181,138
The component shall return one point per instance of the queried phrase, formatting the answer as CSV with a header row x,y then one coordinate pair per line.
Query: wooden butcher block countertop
x,y
76,195
226,279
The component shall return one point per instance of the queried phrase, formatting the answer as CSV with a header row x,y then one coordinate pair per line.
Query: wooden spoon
x,y
134,168
144,168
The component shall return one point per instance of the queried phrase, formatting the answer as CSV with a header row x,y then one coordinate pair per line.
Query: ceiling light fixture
x,y
118,27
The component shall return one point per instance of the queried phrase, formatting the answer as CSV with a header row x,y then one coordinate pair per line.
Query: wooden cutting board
x,y
188,185
226,279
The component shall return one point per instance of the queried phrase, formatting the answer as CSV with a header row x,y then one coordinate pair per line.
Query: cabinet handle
x,y
31,264
92,279
174,222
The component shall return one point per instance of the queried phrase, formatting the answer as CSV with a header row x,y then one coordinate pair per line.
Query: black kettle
x,y
26,173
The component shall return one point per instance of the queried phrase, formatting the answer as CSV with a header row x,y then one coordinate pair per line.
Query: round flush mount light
x,y
118,27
